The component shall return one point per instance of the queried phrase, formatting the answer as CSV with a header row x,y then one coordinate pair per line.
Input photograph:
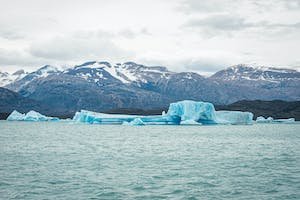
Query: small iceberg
x,y
135,122
261,119
16,116
285,121
234,117
30,116
190,122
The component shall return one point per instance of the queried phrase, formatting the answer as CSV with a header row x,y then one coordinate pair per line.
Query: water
x,y
77,161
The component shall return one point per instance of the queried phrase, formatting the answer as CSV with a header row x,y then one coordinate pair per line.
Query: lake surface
x,y
45,160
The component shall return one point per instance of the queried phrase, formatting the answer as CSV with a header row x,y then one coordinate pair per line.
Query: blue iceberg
x,y
191,112
190,122
135,122
102,118
234,117
200,112
261,119
183,112
16,116
30,116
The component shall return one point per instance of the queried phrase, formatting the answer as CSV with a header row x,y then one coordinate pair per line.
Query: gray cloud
x,y
196,6
181,34
219,6
19,58
11,33
292,4
219,22
77,48
229,23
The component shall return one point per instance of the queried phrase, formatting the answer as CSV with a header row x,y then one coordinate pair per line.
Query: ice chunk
x,y
285,121
30,116
202,112
102,118
137,122
271,120
261,119
182,112
35,116
234,117
189,122
15,116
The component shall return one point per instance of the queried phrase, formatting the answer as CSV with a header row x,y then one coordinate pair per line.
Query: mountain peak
x,y
255,72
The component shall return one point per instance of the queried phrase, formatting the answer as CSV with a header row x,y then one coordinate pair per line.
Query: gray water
x,y
75,161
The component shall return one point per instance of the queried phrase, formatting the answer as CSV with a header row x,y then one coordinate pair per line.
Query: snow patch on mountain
x,y
256,72
7,78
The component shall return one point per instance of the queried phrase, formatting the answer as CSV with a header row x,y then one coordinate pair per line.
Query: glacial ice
x,y
202,112
102,118
234,117
15,116
190,122
30,116
285,121
261,119
137,122
183,112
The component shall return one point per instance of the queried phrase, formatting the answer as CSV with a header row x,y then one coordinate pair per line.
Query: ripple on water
x,y
76,161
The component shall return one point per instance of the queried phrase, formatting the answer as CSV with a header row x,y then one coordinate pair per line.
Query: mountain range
x,y
101,86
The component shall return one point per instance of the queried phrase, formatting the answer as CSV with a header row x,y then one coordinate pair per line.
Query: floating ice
x,y
189,122
137,122
102,118
285,121
30,116
202,112
261,119
35,116
15,116
183,112
234,117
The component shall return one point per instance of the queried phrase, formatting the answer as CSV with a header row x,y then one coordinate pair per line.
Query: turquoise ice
x,y
183,112
30,116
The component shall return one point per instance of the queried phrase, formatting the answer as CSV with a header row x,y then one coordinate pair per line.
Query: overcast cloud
x,y
192,35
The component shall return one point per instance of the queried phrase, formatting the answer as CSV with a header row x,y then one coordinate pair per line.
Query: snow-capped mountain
x,y
42,72
126,73
7,78
102,85
256,73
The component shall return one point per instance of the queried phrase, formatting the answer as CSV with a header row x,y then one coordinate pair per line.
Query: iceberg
x,y
183,112
285,121
30,116
261,119
137,122
205,113
202,112
35,116
190,122
16,116
234,117
102,118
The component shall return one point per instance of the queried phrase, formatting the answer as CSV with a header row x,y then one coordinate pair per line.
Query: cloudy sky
x,y
192,35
